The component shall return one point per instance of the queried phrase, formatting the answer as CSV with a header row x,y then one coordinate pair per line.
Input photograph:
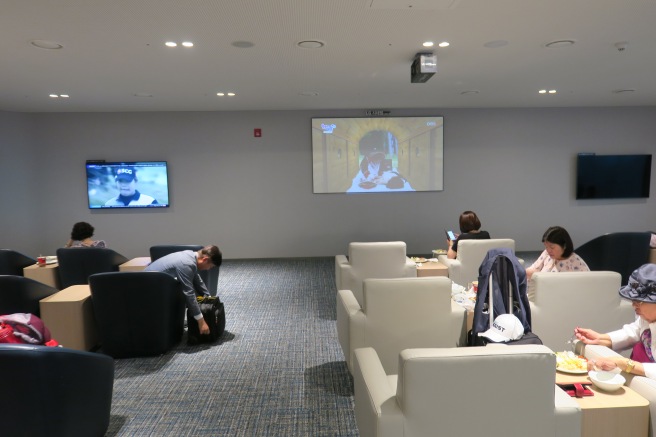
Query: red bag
x,y
24,328
7,334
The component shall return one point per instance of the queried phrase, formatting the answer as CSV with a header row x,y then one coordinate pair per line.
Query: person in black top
x,y
470,229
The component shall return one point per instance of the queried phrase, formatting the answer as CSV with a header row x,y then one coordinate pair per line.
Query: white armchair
x,y
372,260
397,314
644,386
464,268
562,301
486,391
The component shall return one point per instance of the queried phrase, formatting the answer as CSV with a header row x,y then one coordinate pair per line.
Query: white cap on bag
x,y
505,327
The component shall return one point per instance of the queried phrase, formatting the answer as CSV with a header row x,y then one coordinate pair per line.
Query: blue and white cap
x,y
126,173
505,327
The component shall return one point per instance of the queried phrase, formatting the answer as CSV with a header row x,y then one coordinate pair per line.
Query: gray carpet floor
x,y
277,371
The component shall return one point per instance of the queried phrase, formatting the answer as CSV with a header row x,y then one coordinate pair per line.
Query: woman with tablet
x,y
470,229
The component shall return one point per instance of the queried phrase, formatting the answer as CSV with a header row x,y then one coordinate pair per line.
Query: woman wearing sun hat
x,y
641,291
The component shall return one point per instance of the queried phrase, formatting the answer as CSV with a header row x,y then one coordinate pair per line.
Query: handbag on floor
x,y
214,314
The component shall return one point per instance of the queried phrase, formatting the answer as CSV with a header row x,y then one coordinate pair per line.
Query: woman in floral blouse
x,y
558,255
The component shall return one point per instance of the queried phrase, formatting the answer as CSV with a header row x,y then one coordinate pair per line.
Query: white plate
x,y
573,372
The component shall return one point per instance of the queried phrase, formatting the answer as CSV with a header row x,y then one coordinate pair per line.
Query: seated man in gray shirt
x,y
184,266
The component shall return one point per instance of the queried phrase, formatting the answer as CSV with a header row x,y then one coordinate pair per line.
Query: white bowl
x,y
608,381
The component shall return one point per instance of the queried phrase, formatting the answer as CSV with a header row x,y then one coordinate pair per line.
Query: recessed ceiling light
x,y
552,91
547,91
48,45
188,44
542,91
428,44
444,44
560,43
495,44
65,96
231,94
171,44
54,96
220,94
311,44
242,44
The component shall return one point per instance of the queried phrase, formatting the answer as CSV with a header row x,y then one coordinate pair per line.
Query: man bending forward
x,y
184,266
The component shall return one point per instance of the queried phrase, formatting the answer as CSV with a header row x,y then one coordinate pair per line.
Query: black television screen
x,y
377,154
141,184
612,176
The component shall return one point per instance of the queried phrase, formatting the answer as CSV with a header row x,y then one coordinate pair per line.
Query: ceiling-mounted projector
x,y
423,67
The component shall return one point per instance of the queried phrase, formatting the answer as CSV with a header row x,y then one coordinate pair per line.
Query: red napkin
x,y
577,390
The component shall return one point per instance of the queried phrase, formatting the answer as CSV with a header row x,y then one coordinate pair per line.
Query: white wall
x,y
253,196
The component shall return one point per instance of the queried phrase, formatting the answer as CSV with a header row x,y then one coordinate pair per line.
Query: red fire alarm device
x,y
257,133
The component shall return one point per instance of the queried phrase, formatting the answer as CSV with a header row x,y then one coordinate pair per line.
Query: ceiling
x,y
113,56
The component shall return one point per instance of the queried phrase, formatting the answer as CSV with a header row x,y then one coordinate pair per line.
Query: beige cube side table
x,y
69,316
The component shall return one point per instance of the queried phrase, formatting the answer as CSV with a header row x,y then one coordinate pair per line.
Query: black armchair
x,y
76,264
12,262
621,252
210,277
22,295
54,391
137,313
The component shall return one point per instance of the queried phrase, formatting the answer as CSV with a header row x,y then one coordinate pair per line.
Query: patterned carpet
x,y
278,370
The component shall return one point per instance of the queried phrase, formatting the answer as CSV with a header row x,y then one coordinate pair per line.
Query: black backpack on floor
x,y
528,338
214,314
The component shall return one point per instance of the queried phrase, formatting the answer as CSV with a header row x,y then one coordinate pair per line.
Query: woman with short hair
x,y
81,237
470,229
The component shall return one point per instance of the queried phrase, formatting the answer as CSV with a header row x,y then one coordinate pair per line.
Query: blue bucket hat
x,y
642,285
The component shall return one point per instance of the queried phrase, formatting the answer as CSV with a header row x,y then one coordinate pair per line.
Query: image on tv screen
x,y
377,155
127,184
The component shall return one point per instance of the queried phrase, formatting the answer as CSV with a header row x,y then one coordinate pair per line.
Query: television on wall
x,y
612,176
142,184
377,154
